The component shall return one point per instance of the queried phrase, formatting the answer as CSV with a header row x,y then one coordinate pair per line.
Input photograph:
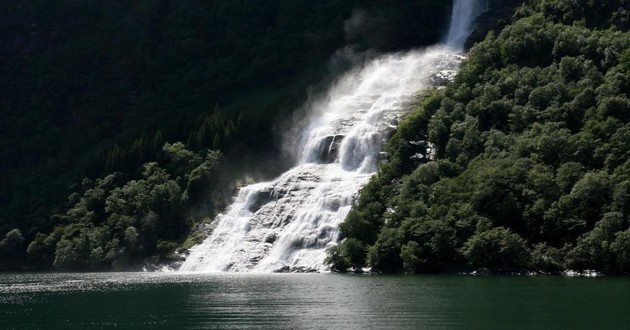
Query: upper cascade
x,y
287,224
464,14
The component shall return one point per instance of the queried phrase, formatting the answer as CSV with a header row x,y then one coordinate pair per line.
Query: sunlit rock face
x,y
287,224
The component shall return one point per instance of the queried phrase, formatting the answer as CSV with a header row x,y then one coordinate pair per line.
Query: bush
x,y
11,248
621,249
547,259
496,249
348,254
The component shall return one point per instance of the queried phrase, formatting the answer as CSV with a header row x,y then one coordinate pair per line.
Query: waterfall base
x,y
288,224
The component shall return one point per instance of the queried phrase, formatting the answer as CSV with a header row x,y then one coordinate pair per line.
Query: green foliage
x,y
530,167
118,221
497,248
336,259
384,255
350,254
621,249
593,249
546,259
99,87
11,248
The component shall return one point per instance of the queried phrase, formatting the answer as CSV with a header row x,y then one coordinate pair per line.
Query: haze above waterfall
x,y
287,224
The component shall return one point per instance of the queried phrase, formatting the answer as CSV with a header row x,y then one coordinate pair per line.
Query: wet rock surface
x,y
288,224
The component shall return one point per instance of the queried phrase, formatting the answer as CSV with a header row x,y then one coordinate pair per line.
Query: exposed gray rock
x,y
260,198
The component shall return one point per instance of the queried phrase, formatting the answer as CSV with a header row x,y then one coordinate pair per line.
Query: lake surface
x,y
305,301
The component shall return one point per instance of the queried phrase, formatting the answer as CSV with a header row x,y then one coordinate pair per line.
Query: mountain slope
x,y
531,161
95,87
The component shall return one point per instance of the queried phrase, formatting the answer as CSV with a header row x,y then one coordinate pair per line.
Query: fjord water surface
x,y
309,301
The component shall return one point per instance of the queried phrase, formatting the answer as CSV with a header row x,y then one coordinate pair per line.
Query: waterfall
x,y
462,17
288,223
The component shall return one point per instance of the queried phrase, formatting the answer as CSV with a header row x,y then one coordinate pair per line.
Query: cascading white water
x,y
464,13
287,224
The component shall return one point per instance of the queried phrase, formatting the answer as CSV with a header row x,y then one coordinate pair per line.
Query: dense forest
x,y
527,156
95,96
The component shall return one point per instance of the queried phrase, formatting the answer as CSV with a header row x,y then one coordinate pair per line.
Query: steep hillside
x,y
528,161
95,87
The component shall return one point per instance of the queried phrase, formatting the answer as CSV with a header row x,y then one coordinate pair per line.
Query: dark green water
x,y
299,301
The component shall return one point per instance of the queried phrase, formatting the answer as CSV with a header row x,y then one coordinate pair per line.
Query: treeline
x,y
95,87
212,130
124,220
529,161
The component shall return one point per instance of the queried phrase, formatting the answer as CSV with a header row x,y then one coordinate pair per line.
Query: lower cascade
x,y
287,225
